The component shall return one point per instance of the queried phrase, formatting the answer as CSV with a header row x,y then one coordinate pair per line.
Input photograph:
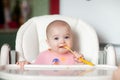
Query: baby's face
x,y
58,37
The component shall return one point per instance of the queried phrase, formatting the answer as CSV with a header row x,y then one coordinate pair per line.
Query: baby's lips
x,y
61,46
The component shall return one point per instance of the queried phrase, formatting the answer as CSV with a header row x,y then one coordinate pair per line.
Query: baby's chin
x,y
63,52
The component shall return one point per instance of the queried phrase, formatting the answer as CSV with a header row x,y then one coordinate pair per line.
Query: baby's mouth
x,y
61,47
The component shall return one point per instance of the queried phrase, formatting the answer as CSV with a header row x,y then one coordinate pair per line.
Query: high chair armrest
x,y
4,54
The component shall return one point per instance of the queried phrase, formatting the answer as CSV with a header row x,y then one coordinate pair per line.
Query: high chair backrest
x,y
31,37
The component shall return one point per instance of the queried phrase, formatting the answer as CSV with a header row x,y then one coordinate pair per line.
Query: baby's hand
x,y
22,63
77,56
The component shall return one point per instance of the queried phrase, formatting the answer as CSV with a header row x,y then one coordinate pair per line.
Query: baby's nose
x,y
62,41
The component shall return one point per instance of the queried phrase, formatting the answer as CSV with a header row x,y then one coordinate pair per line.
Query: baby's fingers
x,y
22,63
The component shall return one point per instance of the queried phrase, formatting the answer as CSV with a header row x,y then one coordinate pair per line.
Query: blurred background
x,y
13,13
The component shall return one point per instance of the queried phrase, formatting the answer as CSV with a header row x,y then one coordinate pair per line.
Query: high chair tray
x,y
57,72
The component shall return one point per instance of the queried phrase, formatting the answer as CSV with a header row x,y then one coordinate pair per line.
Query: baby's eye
x,y
66,37
56,38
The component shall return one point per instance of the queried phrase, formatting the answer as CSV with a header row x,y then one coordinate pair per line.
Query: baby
x,y
59,34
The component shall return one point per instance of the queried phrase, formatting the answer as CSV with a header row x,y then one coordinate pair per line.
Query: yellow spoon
x,y
81,59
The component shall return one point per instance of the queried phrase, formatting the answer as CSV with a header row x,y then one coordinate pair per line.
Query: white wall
x,y
103,15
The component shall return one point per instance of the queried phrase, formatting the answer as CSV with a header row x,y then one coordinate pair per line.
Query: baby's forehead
x,y
60,30
58,26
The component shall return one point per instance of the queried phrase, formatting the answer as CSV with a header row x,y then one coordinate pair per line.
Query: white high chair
x,y
31,40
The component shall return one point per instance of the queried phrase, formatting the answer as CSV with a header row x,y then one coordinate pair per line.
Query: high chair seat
x,y
31,38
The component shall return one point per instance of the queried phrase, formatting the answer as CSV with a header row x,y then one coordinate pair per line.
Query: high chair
x,y
31,40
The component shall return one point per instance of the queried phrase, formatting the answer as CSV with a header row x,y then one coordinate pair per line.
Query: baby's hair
x,y
56,22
